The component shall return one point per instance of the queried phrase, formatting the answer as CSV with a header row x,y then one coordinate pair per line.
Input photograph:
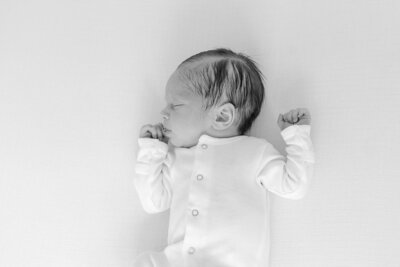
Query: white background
x,y
79,78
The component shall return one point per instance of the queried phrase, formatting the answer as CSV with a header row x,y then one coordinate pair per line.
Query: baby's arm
x,y
152,168
289,177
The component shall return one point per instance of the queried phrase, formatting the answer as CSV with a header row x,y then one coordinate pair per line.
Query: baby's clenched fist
x,y
153,131
299,116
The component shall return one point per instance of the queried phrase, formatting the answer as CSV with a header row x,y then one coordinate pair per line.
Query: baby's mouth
x,y
165,130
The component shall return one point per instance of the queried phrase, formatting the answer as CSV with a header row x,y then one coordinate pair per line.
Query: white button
x,y
200,177
191,250
195,212
204,146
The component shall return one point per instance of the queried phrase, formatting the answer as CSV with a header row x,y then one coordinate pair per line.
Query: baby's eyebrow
x,y
174,99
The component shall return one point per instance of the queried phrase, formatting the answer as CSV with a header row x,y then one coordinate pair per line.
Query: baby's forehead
x,y
178,87
180,84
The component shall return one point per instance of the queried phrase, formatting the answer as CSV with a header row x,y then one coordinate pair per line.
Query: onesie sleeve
x,y
152,180
289,177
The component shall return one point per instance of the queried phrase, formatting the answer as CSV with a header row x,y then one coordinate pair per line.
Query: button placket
x,y
195,212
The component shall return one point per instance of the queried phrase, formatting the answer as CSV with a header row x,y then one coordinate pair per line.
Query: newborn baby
x,y
214,179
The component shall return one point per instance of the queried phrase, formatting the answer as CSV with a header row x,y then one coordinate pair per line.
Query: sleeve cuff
x,y
150,143
295,129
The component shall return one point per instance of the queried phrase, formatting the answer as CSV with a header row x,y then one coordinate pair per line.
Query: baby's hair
x,y
223,75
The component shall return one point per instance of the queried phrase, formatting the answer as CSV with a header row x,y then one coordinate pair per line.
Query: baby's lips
x,y
163,128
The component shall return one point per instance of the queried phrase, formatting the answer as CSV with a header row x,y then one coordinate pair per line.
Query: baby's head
x,y
216,92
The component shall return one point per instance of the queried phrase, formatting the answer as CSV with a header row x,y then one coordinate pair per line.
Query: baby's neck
x,y
222,134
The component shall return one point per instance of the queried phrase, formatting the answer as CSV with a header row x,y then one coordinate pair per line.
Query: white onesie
x,y
217,193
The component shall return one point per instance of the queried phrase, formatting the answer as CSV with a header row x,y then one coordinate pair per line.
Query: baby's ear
x,y
225,116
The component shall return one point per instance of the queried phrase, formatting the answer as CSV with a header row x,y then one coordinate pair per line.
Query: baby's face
x,y
184,119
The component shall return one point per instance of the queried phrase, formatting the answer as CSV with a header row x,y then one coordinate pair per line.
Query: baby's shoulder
x,y
252,143
257,141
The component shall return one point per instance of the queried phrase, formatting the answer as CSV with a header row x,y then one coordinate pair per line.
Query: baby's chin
x,y
182,144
